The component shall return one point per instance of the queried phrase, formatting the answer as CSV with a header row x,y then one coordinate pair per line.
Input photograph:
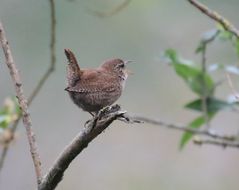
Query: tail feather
x,y
71,57
73,69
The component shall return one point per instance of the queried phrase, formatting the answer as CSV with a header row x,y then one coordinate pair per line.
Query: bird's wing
x,y
92,81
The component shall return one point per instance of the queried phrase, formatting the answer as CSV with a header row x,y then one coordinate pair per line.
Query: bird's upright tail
x,y
73,69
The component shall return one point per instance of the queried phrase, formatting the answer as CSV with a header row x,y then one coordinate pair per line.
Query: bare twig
x,y
204,95
43,79
78,144
5,149
52,52
3,156
6,137
112,12
215,16
209,133
22,103
223,144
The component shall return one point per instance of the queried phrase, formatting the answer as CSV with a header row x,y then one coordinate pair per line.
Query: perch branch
x,y
96,126
43,79
215,16
22,102
78,144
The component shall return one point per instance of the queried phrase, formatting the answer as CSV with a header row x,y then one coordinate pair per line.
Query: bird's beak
x,y
127,70
128,61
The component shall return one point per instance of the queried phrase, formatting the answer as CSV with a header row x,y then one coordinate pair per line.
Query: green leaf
x,y
5,120
4,110
2,118
237,46
171,54
196,123
213,105
9,112
193,76
17,107
225,35
201,47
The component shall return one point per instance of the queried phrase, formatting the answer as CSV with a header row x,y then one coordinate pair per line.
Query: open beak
x,y
128,61
127,70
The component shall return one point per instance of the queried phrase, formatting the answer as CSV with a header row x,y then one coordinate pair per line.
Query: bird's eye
x,y
122,65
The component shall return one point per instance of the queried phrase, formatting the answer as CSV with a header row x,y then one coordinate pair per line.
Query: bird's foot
x,y
108,110
104,112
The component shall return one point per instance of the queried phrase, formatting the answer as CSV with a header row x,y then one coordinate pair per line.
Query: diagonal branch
x,y
22,102
215,16
43,79
95,127
52,54
98,124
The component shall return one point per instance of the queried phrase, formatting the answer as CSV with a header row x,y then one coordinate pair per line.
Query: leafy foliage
x,y
198,81
207,38
196,123
213,105
228,36
201,82
9,113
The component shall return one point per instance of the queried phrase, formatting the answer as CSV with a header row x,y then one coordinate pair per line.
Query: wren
x,y
94,89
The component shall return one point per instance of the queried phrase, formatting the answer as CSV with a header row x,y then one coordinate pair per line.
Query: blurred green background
x,y
136,157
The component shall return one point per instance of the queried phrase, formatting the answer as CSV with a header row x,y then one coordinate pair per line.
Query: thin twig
x,y
223,144
215,16
209,133
5,149
78,144
43,79
3,156
112,12
6,137
22,103
204,88
52,54
205,93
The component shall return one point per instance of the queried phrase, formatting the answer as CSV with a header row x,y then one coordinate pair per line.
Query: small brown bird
x,y
94,89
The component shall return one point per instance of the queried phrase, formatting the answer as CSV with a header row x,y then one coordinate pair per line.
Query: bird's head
x,y
117,66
